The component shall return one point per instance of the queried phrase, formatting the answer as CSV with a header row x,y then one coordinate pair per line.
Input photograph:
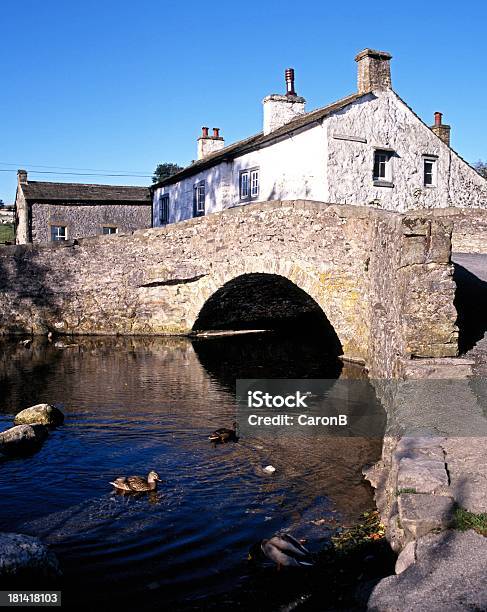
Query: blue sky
x,y
122,86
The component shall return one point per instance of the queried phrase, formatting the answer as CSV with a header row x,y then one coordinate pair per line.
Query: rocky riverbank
x,y
433,466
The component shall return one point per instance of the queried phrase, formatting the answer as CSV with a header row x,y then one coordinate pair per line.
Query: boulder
x,y
44,414
24,558
448,575
22,439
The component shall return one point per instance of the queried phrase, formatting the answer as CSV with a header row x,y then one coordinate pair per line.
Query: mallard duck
x,y
137,483
283,550
224,434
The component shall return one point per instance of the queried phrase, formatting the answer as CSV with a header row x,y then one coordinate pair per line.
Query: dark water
x,y
139,404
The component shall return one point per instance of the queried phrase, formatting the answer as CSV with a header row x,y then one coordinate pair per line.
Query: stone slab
x,y
406,557
422,474
420,513
448,576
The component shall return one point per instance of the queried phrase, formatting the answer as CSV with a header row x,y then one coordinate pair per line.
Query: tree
x,y
481,168
164,171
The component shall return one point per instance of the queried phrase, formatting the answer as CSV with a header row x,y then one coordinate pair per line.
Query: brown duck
x,y
222,435
137,484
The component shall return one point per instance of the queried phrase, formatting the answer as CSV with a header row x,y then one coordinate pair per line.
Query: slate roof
x,y
77,192
259,140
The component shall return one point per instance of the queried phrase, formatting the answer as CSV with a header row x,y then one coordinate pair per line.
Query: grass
x,y
406,490
464,520
6,233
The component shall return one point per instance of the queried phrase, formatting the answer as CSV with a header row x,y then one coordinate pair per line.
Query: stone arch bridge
x,y
383,279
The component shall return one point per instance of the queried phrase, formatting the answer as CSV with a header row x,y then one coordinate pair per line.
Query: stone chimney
x,y
22,177
441,130
374,70
281,109
209,144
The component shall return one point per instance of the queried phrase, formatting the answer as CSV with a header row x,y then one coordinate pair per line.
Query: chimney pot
x,y
440,129
374,70
209,144
289,75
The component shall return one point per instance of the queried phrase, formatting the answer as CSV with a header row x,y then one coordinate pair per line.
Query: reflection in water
x,y
134,404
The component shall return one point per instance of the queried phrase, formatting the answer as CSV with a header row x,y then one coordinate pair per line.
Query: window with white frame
x,y
429,171
199,195
58,232
249,184
164,210
382,174
109,229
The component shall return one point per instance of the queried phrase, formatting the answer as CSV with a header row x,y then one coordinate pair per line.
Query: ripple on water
x,y
136,405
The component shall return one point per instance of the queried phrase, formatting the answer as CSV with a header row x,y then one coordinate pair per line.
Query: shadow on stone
x,y
471,304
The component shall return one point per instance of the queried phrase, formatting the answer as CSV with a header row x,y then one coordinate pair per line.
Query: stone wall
x,y
83,219
7,215
382,279
469,229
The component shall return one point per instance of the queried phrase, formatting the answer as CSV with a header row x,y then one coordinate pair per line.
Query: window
x,y
110,229
164,210
382,175
429,171
199,199
58,232
249,184
244,185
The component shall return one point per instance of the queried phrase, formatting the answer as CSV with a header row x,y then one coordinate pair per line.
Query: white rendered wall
x,y
294,168
383,120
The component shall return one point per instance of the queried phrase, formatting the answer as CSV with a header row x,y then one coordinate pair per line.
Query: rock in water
x,y
44,414
24,558
22,439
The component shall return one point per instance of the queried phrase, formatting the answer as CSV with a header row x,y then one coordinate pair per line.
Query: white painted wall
x,y
383,120
294,168
313,164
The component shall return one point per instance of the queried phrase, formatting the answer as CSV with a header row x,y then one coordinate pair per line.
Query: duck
x,y
137,484
224,434
283,550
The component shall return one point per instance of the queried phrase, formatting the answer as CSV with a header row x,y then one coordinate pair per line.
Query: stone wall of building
x,y
382,279
83,219
383,121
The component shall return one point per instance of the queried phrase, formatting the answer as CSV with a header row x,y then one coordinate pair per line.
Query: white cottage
x,y
369,148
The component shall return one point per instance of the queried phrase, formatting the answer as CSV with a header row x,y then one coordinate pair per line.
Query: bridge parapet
x,y
383,279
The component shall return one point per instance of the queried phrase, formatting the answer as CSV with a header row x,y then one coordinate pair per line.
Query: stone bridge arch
x,y
383,279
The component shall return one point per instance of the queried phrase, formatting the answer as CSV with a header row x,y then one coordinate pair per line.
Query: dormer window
x,y
429,171
382,172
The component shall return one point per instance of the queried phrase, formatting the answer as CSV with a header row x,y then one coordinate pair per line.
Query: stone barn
x,y
46,212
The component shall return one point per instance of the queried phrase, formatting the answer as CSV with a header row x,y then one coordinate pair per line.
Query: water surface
x,y
134,404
